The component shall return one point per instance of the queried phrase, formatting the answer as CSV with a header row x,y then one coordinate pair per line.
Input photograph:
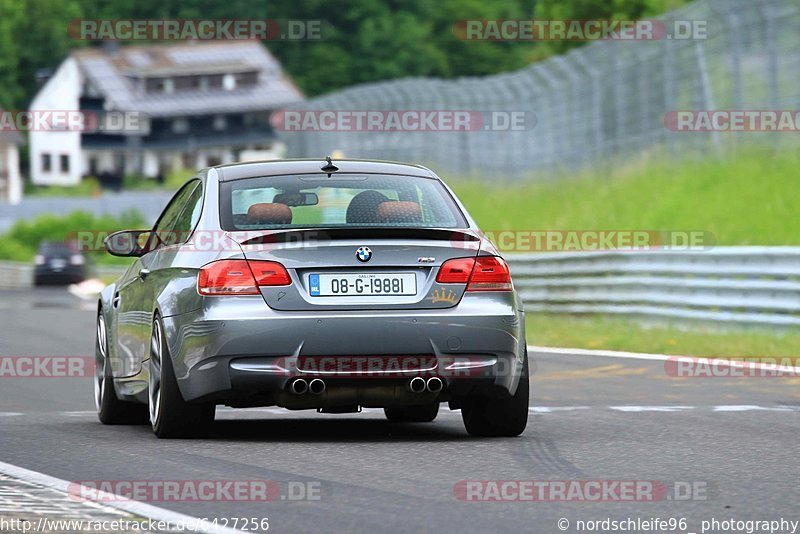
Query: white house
x,y
10,180
149,110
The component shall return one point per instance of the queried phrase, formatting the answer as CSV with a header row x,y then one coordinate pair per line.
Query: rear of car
x,y
58,263
360,284
344,272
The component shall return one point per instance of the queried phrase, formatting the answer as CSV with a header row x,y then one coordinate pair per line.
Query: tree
x,y
599,9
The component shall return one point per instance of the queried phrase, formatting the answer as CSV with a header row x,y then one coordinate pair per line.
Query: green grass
x,y
88,187
171,183
745,197
22,240
620,333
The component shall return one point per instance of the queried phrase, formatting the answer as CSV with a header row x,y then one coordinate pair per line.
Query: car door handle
x,y
143,273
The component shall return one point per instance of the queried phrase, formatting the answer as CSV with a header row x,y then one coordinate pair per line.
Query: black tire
x,y
111,410
413,414
505,417
170,415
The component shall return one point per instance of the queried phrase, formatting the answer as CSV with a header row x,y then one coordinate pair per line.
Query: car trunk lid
x,y
370,268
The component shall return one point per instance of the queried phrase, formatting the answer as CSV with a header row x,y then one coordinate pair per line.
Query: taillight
x,y
455,271
490,274
484,273
270,273
240,277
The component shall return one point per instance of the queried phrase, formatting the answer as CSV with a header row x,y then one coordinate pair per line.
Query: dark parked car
x,y
312,285
58,263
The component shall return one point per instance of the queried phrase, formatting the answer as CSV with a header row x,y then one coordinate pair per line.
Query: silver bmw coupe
x,y
327,285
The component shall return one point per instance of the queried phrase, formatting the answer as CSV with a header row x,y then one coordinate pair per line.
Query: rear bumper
x,y
240,352
68,275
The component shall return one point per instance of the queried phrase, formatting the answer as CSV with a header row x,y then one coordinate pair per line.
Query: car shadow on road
x,y
326,430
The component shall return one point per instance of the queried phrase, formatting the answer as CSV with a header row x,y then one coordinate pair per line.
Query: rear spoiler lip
x,y
333,234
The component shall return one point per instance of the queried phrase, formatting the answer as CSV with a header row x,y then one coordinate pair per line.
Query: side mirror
x,y
128,243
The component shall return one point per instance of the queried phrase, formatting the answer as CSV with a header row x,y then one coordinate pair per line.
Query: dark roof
x,y
236,171
112,72
187,142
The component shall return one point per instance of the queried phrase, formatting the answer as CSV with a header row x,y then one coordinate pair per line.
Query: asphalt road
x,y
735,440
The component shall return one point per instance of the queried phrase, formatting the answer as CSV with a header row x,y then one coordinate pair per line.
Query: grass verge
x,y
685,339
745,197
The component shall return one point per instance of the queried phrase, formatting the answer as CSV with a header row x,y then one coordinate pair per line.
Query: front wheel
x,y
504,417
170,415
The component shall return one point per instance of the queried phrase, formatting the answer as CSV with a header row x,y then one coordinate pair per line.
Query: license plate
x,y
58,264
362,285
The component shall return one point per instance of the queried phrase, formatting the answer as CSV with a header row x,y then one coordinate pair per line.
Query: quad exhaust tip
x,y
316,387
435,384
300,386
417,384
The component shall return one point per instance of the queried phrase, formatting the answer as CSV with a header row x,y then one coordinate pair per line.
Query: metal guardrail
x,y
757,285
14,274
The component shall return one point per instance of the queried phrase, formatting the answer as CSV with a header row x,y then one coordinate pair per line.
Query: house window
x,y
64,163
229,82
47,163
180,125
247,79
160,85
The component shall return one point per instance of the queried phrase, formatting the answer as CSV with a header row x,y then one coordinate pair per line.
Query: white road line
x,y
9,414
551,409
133,507
560,351
635,409
532,409
753,408
602,353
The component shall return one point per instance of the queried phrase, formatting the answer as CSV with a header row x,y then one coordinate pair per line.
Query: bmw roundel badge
x,y
363,254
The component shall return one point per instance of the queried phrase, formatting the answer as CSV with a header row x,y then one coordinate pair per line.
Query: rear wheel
x,y
413,414
503,417
170,415
111,410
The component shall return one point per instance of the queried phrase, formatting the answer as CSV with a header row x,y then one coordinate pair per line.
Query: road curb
x,y
137,508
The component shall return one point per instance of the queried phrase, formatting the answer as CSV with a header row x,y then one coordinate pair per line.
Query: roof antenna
x,y
329,167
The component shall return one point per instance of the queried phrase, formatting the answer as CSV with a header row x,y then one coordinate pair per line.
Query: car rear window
x,y
50,247
343,200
